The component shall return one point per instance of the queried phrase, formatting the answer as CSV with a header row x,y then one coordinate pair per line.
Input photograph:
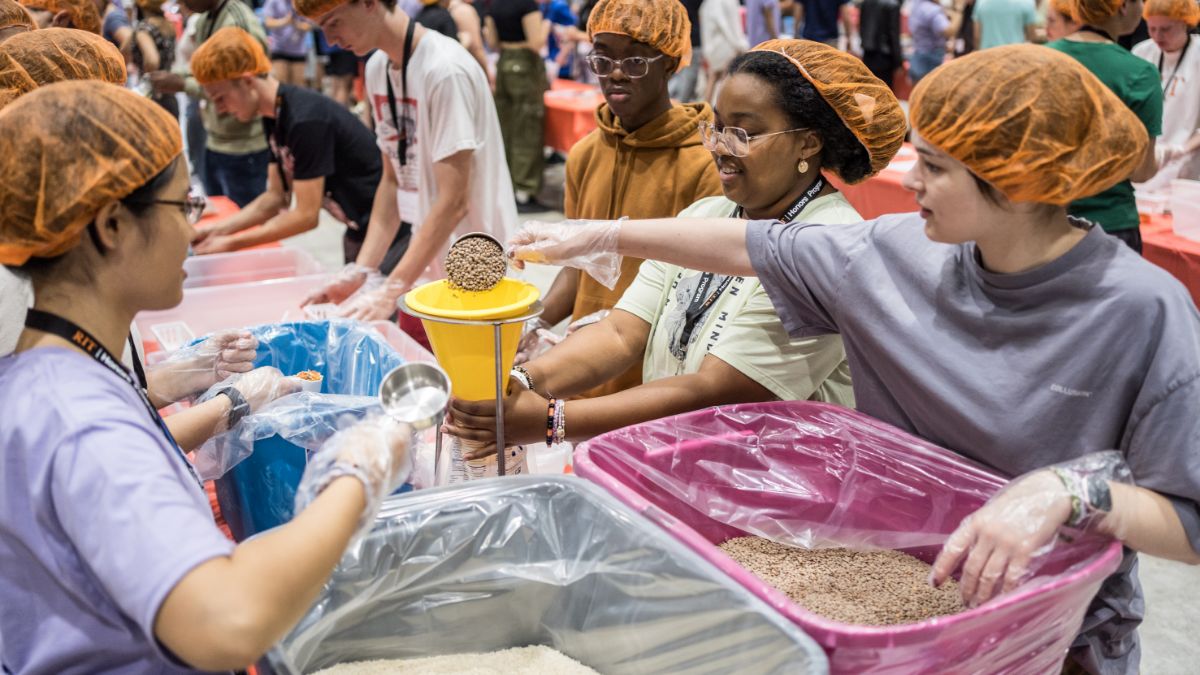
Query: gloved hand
x,y
535,341
258,387
375,304
195,369
1166,154
997,543
375,451
344,284
588,245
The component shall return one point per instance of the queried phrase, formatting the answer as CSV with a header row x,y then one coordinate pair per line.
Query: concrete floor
x,y
1169,647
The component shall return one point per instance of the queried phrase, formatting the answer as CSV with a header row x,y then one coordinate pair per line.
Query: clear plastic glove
x,y
344,284
375,451
374,304
588,245
996,544
258,387
537,339
195,369
1166,154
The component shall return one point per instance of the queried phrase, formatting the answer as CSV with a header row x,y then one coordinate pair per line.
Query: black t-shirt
x,y
312,136
508,14
438,18
693,12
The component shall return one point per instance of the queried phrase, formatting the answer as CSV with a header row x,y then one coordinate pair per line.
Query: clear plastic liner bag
x,y
194,369
817,475
537,561
586,245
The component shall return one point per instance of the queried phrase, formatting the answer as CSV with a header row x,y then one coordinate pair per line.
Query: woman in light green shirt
x,y
789,113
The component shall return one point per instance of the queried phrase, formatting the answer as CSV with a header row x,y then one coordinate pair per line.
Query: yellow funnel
x,y
467,353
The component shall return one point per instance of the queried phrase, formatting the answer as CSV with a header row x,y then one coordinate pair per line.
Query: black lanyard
x,y
1097,31
702,300
271,128
212,21
402,145
56,325
1182,56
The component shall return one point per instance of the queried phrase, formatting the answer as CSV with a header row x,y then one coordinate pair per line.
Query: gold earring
x,y
802,167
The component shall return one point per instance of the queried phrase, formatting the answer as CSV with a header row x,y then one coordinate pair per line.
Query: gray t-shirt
x,y
1096,350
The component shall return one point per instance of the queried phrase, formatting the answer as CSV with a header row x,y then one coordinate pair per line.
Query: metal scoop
x,y
416,394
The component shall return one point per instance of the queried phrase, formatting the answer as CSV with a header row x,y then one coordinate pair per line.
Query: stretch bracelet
x,y
551,413
560,422
522,376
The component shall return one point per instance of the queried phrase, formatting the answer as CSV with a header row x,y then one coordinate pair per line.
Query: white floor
x,y
1170,646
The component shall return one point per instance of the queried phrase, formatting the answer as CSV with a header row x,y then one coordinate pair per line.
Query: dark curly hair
x,y
799,100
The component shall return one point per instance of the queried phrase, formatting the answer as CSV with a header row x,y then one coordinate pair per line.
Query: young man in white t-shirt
x,y
452,178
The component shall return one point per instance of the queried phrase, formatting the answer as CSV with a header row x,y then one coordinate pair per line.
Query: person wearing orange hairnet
x,y
322,156
986,323
645,159
14,19
81,14
444,170
1133,81
1175,52
1059,21
790,112
42,57
105,527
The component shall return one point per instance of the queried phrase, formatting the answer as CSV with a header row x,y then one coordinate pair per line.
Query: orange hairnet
x,y
69,149
31,60
865,104
1094,12
1064,7
662,24
83,13
1187,11
151,5
13,14
1031,121
315,9
230,53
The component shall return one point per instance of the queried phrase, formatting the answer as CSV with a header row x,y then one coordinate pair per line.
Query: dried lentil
x,y
875,588
475,264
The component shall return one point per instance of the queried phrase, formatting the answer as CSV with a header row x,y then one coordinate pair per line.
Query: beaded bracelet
x,y
560,422
522,376
551,414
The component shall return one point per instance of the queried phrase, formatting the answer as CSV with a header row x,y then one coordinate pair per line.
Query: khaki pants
x,y
520,87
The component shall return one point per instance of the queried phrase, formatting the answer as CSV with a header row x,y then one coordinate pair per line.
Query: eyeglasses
x,y
633,67
734,139
193,206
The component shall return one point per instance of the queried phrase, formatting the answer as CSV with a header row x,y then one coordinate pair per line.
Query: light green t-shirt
x,y
741,326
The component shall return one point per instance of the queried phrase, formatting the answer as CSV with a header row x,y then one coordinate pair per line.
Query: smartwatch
x,y
238,407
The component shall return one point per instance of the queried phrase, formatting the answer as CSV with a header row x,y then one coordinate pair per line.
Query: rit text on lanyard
x,y
56,325
702,300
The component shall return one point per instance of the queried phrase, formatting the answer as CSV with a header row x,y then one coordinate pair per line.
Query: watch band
x,y
238,407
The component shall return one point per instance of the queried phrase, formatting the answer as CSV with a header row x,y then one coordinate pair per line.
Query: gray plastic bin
x,y
538,560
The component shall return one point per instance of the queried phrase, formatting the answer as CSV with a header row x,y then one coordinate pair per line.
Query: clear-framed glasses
x,y
633,67
734,140
193,206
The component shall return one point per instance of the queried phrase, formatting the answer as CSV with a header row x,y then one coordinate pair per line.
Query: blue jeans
x,y
239,177
920,63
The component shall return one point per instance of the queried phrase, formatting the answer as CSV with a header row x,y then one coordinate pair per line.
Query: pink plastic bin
x,y
806,473
241,267
205,310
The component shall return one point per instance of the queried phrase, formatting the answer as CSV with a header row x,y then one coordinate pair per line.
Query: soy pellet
x,y
475,264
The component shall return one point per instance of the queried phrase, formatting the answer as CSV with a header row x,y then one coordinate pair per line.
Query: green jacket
x,y
225,133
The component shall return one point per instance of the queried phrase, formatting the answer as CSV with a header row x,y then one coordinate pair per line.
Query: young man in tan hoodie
x,y
644,159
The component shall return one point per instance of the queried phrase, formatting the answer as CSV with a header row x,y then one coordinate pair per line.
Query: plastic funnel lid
x,y
509,298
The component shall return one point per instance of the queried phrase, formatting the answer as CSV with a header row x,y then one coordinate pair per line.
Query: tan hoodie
x,y
654,172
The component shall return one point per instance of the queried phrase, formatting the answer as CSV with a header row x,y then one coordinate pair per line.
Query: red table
x,y
570,113
1160,245
220,208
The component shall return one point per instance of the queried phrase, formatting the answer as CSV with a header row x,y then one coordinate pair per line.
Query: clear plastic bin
x,y
205,310
532,560
222,269
1185,208
814,474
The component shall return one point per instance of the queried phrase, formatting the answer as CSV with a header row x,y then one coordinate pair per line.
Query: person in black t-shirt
x,y
437,18
321,154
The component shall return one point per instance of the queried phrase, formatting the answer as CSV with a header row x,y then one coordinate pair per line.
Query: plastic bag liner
x,y
265,453
537,560
813,474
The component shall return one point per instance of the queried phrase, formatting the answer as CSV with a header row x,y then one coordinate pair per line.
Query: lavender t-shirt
x,y
928,23
288,41
1097,350
756,23
99,520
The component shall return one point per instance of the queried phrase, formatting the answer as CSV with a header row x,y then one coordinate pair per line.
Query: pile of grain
x,y
475,264
875,588
536,660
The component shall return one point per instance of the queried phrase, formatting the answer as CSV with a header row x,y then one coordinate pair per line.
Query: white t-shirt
x,y
741,327
449,109
1181,107
16,295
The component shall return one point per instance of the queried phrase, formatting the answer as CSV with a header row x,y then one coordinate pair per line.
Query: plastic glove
x,y
375,451
1166,154
195,369
344,284
588,245
258,387
535,341
996,543
374,304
